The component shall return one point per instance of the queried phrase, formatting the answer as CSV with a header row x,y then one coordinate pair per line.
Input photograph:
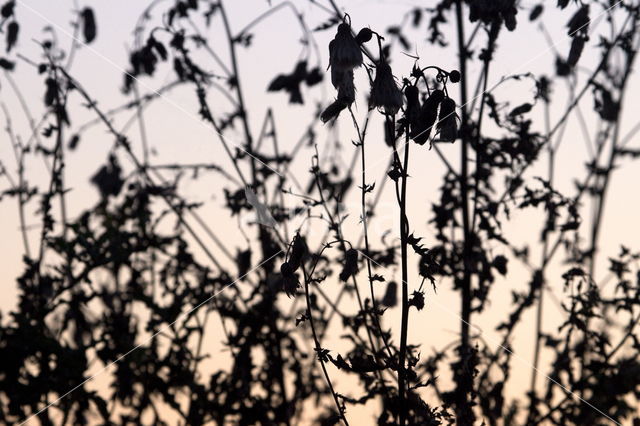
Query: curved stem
x,y
319,349
404,234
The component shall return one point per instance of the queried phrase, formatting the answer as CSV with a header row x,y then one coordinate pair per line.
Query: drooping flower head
x,y
421,130
413,104
385,94
343,81
344,50
447,125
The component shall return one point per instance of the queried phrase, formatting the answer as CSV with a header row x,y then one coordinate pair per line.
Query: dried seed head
x,y
344,50
290,284
343,81
385,94
286,269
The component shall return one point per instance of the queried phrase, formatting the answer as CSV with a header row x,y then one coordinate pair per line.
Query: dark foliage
x,y
131,287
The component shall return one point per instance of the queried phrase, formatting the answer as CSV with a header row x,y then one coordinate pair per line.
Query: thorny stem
x,y
365,233
60,152
19,153
319,349
479,141
404,330
238,86
602,193
249,147
463,410
336,225
545,252
612,157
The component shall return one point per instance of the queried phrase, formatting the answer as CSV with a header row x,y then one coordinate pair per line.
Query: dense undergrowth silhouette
x,y
135,282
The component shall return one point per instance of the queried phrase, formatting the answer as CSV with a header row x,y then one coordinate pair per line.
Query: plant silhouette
x,y
315,319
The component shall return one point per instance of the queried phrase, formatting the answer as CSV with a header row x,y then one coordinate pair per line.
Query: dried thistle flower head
x,y
344,50
385,94
343,81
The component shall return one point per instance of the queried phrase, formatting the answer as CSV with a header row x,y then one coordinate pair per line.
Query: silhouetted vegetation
x,y
132,287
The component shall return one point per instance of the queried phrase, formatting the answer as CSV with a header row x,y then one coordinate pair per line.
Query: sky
x,y
178,135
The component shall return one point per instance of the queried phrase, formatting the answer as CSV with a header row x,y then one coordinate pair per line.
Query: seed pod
x,y
390,298
344,50
350,264
579,21
385,94
447,121
536,12
88,25
577,45
509,16
428,115
12,34
243,260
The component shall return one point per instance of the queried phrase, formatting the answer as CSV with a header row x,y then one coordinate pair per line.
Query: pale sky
x,y
178,135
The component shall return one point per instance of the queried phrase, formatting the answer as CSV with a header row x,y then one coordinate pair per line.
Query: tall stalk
x,y
404,234
463,410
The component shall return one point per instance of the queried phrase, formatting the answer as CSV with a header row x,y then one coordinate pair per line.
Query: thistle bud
x,y
385,94
454,76
447,121
364,35
428,115
344,50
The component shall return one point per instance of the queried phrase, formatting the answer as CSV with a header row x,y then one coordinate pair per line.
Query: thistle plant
x,y
306,312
